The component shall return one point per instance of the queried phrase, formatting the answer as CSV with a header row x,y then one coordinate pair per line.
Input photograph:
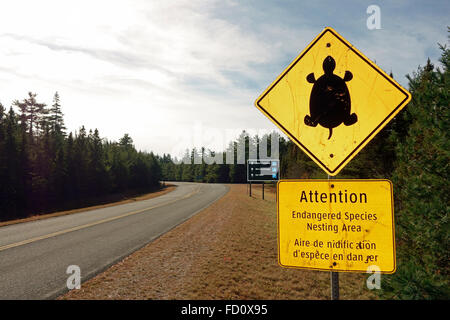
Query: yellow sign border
x,y
374,132
333,181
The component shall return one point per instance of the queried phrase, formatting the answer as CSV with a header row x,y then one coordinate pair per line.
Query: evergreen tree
x,y
56,117
97,171
421,190
32,112
126,141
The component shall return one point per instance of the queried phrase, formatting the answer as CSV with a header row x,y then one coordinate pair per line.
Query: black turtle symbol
x,y
329,103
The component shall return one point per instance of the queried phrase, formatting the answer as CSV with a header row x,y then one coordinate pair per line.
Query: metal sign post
x,y
263,190
334,276
334,285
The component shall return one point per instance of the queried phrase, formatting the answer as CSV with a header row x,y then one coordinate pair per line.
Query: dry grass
x,y
227,251
167,188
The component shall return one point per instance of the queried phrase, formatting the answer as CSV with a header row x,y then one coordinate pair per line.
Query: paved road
x,y
34,256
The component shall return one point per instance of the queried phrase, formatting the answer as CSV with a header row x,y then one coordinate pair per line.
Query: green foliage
x,y
43,169
421,191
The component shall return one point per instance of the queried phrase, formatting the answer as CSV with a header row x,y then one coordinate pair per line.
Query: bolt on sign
x,y
332,100
336,225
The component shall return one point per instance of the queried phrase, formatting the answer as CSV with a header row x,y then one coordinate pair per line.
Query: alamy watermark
x,y
374,280
74,280
374,20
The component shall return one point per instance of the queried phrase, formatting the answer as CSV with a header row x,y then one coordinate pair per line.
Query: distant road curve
x,y
34,255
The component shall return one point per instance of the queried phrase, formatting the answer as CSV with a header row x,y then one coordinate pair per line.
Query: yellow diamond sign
x,y
332,100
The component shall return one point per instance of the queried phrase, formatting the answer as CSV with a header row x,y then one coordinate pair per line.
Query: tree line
x,y
42,168
412,150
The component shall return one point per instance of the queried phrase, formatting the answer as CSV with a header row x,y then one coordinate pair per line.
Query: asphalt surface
x,y
34,256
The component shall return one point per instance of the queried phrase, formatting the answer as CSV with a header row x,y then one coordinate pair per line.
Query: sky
x,y
183,73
